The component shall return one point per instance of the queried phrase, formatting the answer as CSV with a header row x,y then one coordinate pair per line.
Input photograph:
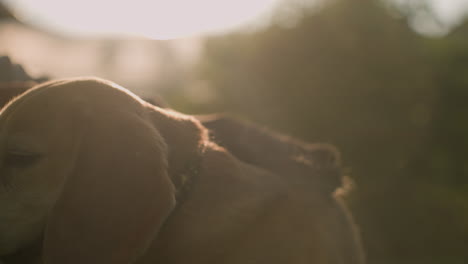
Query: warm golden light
x,y
154,19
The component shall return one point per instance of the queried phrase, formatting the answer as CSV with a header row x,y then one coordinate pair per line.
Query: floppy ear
x,y
117,197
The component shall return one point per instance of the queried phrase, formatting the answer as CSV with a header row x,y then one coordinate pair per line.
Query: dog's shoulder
x,y
226,199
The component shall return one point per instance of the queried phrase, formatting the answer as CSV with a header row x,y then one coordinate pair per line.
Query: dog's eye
x,y
20,159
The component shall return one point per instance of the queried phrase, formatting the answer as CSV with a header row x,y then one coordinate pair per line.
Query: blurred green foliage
x,y
354,74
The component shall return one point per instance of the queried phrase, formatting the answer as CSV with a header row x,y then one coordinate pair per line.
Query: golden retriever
x,y
92,174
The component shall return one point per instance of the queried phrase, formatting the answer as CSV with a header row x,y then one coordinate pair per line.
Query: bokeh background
x,y
386,81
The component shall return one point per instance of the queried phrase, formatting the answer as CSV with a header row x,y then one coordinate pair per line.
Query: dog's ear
x,y
117,197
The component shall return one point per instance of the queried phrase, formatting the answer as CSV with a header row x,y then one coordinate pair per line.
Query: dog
x,y
10,90
93,174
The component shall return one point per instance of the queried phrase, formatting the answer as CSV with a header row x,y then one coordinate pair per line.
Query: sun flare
x,y
154,19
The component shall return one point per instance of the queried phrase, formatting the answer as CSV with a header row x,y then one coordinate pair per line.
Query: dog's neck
x,y
186,139
185,178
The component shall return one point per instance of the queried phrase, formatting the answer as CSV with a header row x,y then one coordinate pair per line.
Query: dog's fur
x,y
93,174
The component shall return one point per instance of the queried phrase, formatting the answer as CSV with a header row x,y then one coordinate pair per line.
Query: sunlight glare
x,y
156,19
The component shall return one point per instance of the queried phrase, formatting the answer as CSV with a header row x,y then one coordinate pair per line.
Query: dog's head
x,y
84,162
9,90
